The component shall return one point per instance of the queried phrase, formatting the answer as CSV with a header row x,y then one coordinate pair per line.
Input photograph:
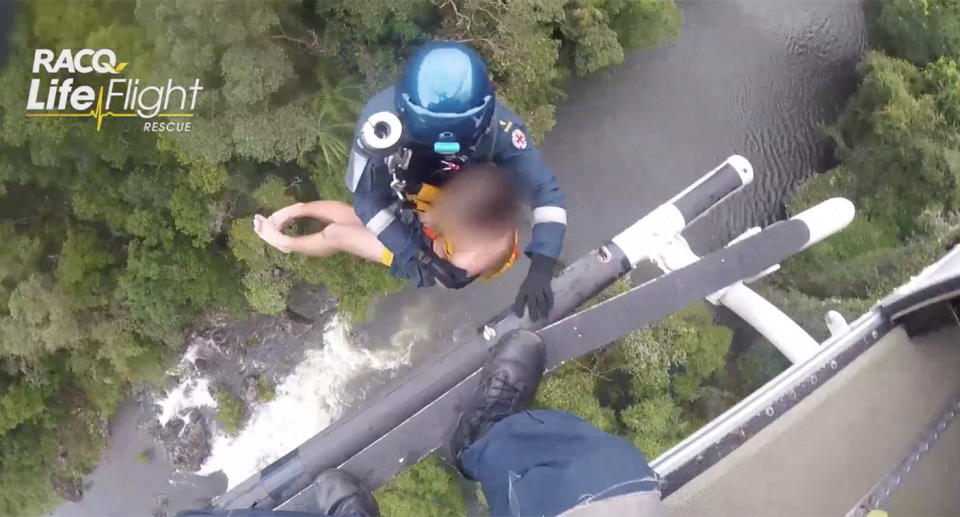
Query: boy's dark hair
x,y
483,196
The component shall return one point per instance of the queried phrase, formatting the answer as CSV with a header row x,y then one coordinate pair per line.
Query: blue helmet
x,y
444,97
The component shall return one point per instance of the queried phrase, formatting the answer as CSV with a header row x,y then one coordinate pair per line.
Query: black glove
x,y
435,269
535,291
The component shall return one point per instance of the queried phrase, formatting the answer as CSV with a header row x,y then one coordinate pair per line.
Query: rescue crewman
x,y
450,117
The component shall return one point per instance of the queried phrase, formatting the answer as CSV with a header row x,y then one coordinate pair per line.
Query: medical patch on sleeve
x,y
519,139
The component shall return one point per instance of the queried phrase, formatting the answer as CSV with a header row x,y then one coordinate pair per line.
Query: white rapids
x,y
188,394
307,401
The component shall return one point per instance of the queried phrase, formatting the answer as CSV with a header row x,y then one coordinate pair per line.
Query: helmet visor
x,y
428,127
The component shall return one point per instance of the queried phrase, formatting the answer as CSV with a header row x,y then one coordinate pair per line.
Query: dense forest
x,y
115,241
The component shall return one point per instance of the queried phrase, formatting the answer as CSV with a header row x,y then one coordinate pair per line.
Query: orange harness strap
x,y
422,201
511,260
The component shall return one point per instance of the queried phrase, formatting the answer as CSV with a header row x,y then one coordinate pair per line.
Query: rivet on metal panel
x,y
769,411
813,379
833,364
874,334
699,458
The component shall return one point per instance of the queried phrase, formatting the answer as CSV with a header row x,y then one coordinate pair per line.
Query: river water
x,y
756,78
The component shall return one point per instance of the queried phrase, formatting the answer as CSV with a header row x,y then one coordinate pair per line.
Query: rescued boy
x,y
471,222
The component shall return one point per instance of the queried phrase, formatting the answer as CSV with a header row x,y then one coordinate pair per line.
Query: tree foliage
x,y
899,144
645,386
116,240
230,409
530,45
426,488
919,31
574,389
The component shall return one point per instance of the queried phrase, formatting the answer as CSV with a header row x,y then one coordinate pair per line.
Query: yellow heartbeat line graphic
x,y
99,114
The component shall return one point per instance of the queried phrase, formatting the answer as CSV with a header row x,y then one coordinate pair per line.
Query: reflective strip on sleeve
x,y
357,163
378,223
549,214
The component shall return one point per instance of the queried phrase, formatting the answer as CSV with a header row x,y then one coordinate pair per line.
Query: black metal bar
x,y
709,192
674,291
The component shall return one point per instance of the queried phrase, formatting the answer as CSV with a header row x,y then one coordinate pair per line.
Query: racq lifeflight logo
x,y
122,97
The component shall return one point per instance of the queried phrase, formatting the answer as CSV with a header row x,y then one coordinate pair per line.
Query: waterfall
x,y
307,401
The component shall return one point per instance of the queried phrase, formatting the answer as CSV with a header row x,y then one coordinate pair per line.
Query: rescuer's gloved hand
x,y
535,291
436,269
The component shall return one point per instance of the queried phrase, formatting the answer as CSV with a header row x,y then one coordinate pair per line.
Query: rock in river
x,y
188,441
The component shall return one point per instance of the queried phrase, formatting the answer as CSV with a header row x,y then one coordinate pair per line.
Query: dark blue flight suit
x,y
506,143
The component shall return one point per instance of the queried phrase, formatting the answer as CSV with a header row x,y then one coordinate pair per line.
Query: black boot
x,y
508,383
339,493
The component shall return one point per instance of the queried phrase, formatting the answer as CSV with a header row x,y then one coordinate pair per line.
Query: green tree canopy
x,y
646,385
899,143
117,239
427,488
919,31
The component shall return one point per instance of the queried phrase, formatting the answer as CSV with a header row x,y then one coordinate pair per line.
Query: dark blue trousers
x,y
542,463
545,462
